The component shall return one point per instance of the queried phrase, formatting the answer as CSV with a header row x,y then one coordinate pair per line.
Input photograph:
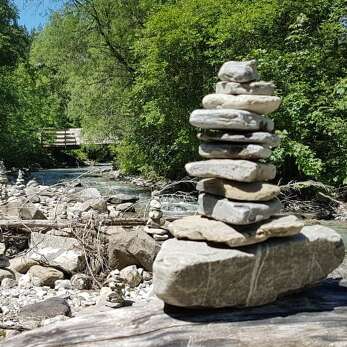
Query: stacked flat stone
x,y
3,183
258,256
156,224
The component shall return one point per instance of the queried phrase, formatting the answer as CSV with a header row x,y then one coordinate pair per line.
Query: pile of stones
x,y
236,252
156,225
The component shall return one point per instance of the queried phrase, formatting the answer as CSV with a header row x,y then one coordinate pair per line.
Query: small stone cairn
x,y
156,225
249,256
19,188
3,183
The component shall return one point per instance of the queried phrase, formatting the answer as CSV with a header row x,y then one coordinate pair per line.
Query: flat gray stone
x,y
261,104
46,276
230,119
32,315
232,151
265,138
238,71
236,170
199,228
252,88
256,191
233,212
195,274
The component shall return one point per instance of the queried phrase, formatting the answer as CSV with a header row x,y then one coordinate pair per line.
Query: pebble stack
x,y
156,225
252,263
3,183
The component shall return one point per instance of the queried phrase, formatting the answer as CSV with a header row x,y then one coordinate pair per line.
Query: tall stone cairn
x,y
236,252
3,183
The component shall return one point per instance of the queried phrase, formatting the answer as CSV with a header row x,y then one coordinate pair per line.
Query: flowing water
x,y
171,205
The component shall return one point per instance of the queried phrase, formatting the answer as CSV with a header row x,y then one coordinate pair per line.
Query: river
x,y
172,205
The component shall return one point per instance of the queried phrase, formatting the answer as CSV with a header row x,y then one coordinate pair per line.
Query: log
x,y
317,317
37,223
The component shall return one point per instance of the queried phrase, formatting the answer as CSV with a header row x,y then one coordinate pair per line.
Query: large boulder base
x,y
235,170
237,212
230,119
198,228
195,274
256,191
261,104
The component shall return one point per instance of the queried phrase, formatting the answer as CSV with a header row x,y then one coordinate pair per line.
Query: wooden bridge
x,y
69,138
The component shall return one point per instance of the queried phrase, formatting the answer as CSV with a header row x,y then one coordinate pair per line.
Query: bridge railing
x,y
69,137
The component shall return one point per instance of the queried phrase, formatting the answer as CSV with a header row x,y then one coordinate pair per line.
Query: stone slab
x,y
265,138
231,119
233,212
238,71
261,104
236,170
251,88
233,151
195,274
199,228
256,191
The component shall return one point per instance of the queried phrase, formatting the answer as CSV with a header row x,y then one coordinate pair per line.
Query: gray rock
x,y
131,276
86,194
31,212
122,198
230,119
239,213
233,151
238,71
126,207
198,228
46,276
252,88
4,261
98,204
261,104
8,283
236,170
265,138
40,240
256,191
32,315
62,284
81,281
71,261
7,273
131,247
195,274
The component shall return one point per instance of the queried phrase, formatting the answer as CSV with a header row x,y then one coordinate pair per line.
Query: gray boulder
x,y
230,119
195,274
234,212
233,151
238,71
122,198
235,170
85,194
199,228
260,137
32,315
45,276
260,104
256,191
71,261
131,247
252,88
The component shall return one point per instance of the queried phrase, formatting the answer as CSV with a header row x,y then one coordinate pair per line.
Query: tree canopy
x,y
137,68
